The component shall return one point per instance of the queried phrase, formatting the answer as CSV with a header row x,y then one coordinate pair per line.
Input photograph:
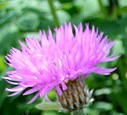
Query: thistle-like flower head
x,y
56,59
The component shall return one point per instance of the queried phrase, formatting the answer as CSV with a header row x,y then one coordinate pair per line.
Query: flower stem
x,y
78,112
113,9
101,6
53,11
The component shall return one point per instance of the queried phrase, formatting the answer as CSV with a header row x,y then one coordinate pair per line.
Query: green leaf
x,y
103,91
3,5
63,16
105,106
49,113
89,111
118,47
9,38
2,64
28,21
52,95
48,106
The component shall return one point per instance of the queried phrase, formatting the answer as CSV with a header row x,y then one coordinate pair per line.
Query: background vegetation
x,y
24,18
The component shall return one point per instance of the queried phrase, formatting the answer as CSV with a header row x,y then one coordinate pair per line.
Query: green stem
x,y
113,9
101,6
53,11
78,112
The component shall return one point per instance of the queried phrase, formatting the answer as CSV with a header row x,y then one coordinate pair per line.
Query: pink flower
x,y
54,60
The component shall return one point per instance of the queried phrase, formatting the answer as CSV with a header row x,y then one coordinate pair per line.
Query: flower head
x,y
56,59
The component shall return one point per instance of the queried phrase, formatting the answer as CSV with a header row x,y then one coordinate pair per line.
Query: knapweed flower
x,y
59,61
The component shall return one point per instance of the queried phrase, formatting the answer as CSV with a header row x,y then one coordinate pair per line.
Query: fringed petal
x,y
30,91
15,89
103,71
59,91
33,99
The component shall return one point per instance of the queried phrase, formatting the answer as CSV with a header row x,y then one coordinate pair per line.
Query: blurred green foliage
x,y
24,18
